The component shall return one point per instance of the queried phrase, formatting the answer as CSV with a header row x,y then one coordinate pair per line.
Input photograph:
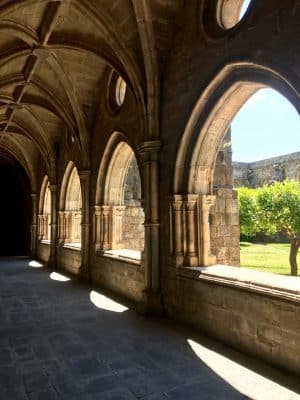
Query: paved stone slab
x,y
56,345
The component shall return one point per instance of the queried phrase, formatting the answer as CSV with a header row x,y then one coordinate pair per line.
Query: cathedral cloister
x,y
120,252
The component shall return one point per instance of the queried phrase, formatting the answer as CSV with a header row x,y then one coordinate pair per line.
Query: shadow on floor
x,y
63,340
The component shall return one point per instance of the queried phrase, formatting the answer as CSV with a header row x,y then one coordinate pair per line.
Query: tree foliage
x,y
249,224
273,209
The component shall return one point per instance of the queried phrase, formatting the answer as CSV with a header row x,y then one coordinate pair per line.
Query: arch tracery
x,y
70,213
197,209
44,217
119,217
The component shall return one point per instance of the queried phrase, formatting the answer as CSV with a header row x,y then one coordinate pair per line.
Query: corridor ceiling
x,y
53,56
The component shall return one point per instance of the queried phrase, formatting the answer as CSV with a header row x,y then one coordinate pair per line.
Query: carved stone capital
x,y
84,174
149,150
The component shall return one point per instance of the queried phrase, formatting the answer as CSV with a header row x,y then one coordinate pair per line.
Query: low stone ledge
x,y
45,242
286,287
117,255
71,246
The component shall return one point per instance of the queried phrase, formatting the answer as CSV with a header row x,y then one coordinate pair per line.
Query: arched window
x,y
205,217
230,12
70,215
120,91
119,220
44,218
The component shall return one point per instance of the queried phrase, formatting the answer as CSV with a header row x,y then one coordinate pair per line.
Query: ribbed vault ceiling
x,y
53,55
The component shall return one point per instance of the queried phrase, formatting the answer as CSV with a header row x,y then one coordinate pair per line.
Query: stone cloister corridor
x,y
112,119
60,339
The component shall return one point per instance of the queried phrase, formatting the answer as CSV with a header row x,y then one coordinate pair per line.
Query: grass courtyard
x,y
267,257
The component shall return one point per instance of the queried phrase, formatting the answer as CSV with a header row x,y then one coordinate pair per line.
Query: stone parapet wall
x,y
251,321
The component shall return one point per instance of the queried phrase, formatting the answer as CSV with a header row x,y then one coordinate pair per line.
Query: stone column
x,y
61,227
33,242
206,256
40,227
85,224
191,224
105,227
66,233
177,230
53,227
97,228
151,303
117,217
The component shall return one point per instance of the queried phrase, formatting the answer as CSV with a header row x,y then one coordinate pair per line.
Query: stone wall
x,y
254,322
264,172
121,276
133,231
43,251
224,215
225,228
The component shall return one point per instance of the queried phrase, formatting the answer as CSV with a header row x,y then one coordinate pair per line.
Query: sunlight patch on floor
x,y
243,379
59,277
105,303
35,264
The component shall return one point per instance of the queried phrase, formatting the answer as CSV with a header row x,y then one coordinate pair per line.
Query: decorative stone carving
x,y
191,230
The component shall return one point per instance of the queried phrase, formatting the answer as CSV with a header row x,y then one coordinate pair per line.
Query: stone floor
x,y
63,340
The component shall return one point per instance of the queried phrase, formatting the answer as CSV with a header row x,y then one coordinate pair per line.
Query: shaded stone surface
x,y
55,343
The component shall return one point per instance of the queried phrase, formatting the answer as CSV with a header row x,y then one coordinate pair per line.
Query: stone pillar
x,y
151,303
53,227
206,256
33,241
191,226
116,222
97,228
85,224
67,222
177,229
105,227
40,227
61,224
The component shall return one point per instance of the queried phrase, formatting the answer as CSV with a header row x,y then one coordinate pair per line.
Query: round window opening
x,y
120,91
231,12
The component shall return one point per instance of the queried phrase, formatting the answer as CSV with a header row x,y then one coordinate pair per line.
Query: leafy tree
x,y
279,211
273,209
249,224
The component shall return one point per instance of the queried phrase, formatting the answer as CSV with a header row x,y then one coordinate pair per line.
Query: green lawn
x,y
269,257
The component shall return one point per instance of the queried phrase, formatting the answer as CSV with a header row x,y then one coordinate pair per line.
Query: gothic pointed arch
x,y
198,207
70,208
119,215
44,216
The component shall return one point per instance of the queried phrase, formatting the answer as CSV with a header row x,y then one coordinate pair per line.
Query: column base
x,y
84,274
151,304
51,264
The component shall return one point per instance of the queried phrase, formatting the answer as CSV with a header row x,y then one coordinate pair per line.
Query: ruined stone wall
x,y
264,172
